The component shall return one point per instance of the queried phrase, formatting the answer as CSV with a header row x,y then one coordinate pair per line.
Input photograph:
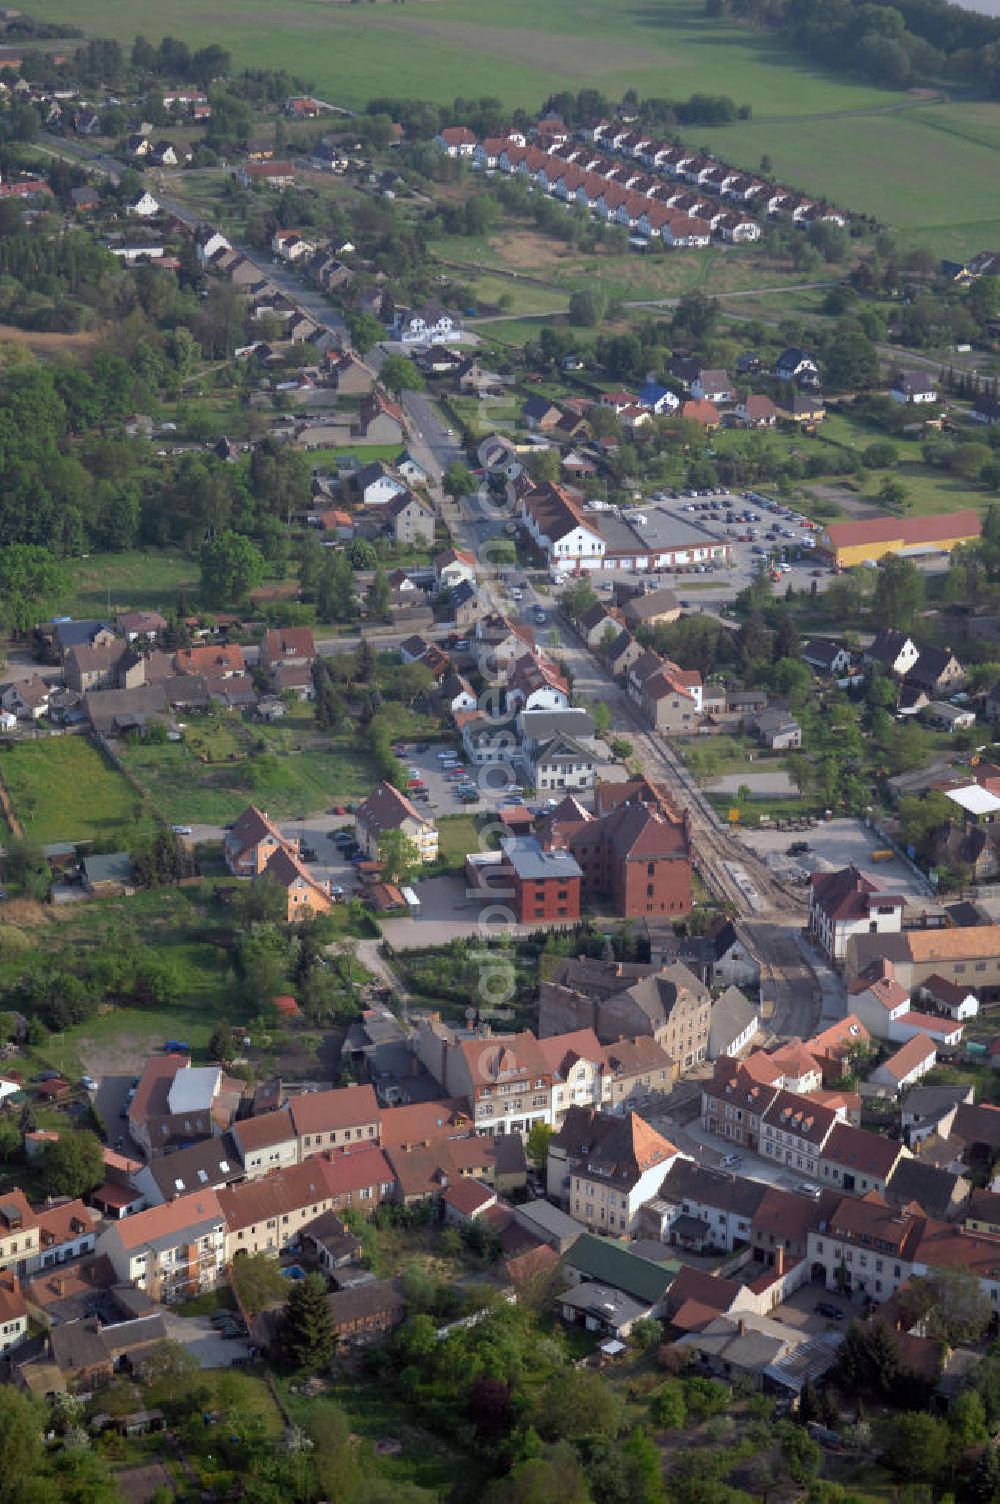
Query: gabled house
x,y
563,763
376,484
850,902
893,652
826,657
913,387
452,566
409,520
306,896
172,1251
756,411
616,1172
857,1161
385,810
794,364
251,842
937,672
712,386
794,1131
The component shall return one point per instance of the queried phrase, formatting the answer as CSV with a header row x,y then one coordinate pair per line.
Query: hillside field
x,y
915,163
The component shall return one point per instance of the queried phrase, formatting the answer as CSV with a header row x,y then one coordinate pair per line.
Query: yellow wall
x,y
857,553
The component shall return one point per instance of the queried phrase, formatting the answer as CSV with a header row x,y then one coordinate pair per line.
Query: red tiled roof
x,y
174,1218
326,1111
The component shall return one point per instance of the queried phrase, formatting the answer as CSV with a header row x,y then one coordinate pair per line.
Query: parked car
x,y
181,830
829,1310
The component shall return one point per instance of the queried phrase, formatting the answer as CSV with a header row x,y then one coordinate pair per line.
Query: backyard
x,y
64,789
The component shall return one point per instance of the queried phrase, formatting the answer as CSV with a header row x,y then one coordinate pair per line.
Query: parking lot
x,y
833,844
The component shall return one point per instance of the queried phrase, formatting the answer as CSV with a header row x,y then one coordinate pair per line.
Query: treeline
x,y
894,44
488,115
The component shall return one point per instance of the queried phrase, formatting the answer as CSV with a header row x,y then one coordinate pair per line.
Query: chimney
x,y
741,1327
779,1262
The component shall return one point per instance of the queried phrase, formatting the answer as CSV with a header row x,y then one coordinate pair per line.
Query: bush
x,y
706,1397
667,1408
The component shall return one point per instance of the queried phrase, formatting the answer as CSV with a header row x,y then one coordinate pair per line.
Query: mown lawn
x,y
63,789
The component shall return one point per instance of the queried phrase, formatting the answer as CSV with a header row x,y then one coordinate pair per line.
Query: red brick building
x,y
538,885
636,859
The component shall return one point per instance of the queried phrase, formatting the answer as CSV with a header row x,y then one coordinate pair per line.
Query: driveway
x,y
203,1342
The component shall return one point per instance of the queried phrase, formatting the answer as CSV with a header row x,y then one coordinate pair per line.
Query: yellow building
x,y
850,543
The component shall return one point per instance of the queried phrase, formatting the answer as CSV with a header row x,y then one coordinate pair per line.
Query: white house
x,y
850,902
144,205
428,326
913,387
877,999
456,141
905,1068
452,566
559,528
733,1023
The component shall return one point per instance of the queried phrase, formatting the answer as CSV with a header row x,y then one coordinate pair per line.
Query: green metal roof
x,y
613,1264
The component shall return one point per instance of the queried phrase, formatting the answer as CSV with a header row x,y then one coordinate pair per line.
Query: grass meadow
x,y
63,789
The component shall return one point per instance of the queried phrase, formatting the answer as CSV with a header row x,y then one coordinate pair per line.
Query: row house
x,y
733,1103
794,1130
701,1208
865,1247
268,1215
309,1123
172,1251
506,1079
586,1073
616,1173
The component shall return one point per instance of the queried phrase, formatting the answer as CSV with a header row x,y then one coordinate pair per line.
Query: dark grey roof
x,y
214,1162
686,1180
931,1188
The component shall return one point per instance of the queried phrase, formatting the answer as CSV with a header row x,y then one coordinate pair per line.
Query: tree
x,y
306,1330
334,1455
378,597
26,870
899,594
536,1145
892,493
458,480
600,714
578,598
72,1164
366,331
917,1447
667,1408
21,1420
32,581
555,1477
851,361
967,1418
362,554
953,1306
400,375
231,566
586,308
222,1044
399,855
543,465
577,1403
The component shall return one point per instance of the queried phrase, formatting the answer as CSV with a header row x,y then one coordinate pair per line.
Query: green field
x,y
284,782
919,170
134,581
63,789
